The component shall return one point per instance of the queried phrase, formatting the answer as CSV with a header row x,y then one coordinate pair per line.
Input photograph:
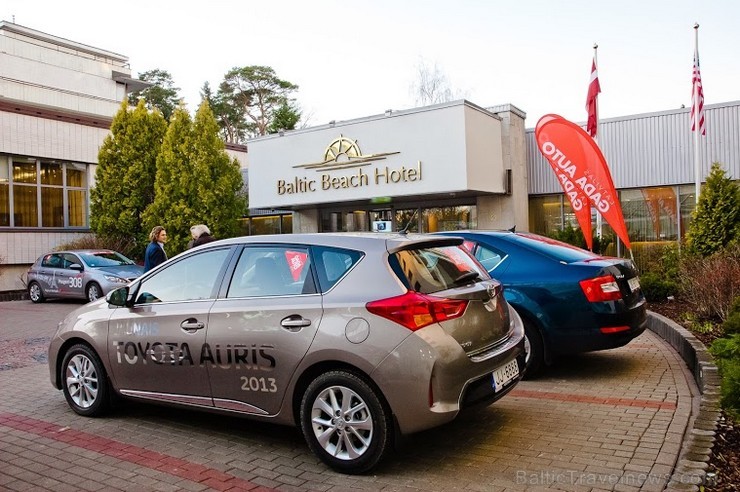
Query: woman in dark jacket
x,y
155,254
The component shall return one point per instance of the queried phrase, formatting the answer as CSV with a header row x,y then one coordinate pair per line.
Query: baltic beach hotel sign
x,y
446,149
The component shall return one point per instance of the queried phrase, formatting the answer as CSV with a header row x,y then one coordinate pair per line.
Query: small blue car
x,y
82,274
570,299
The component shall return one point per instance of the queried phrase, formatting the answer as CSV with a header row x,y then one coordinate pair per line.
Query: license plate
x,y
634,283
504,375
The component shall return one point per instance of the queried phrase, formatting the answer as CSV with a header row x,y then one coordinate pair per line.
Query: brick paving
x,y
612,420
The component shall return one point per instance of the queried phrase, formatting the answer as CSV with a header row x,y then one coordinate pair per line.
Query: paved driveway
x,y
611,420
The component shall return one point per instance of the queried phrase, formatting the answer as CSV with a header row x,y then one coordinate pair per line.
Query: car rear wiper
x,y
466,277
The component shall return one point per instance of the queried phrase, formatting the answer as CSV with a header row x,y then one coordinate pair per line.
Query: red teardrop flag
x,y
581,169
578,200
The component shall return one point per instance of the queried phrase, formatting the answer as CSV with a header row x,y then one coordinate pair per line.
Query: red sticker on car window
x,y
296,261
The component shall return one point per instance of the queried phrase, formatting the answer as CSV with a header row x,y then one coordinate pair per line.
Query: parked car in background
x,y
82,274
570,299
355,338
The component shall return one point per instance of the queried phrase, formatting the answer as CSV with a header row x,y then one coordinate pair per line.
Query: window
x,y
333,264
430,270
69,259
4,192
191,278
272,271
488,257
449,218
53,260
44,194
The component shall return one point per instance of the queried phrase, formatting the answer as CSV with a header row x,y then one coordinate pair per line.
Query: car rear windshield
x,y
432,269
553,248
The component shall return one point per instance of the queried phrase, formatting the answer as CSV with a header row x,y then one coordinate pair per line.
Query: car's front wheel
x,y
85,383
345,422
93,291
35,292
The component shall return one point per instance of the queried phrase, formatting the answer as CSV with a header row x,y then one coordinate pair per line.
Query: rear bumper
x,y
592,338
429,379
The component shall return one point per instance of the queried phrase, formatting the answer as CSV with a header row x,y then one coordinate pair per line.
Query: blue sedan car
x,y
571,300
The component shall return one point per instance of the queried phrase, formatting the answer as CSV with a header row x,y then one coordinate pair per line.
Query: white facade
x,y
57,100
432,153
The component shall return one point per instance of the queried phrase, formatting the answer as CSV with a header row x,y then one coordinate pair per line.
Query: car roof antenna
x,y
513,229
405,230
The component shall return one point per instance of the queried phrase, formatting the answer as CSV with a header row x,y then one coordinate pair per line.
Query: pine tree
x,y
196,181
715,223
173,184
217,199
124,179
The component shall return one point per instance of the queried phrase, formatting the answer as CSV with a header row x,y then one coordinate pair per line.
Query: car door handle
x,y
295,322
192,324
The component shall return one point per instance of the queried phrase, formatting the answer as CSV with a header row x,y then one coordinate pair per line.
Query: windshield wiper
x,y
466,277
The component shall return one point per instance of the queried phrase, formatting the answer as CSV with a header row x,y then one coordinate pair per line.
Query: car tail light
x,y
601,289
415,311
613,329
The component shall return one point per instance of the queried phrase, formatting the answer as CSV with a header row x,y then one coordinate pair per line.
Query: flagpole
x,y
695,106
596,139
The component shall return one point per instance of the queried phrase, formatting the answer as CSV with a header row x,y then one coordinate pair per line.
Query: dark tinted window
x,y
54,260
552,248
332,264
429,270
68,259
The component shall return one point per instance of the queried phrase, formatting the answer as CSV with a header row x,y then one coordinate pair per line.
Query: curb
x,y
700,435
13,295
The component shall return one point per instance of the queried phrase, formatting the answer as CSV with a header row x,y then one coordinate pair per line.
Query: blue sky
x,y
358,58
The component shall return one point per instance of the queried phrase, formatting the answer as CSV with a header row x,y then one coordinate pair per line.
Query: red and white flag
x,y
697,99
593,90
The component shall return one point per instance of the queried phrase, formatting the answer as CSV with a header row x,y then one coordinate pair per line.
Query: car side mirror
x,y
118,297
75,266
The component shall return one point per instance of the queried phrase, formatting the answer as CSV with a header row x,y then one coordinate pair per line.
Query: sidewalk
x,y
613,420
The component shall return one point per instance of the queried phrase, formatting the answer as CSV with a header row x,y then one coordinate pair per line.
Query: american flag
x,y
593,90
697,99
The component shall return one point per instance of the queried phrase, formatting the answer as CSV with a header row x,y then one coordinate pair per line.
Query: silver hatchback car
x,y
355,338
81,274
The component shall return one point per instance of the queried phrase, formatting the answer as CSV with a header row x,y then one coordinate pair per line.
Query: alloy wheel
x,y
82,381
342,423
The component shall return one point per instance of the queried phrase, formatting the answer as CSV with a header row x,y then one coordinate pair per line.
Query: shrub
x,y
656,287
715,222
710,284
127,246
732,323
575,237
726,352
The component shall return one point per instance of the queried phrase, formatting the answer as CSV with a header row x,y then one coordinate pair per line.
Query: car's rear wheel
x,y
93,291
534,360
35,292
345,422
85,382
